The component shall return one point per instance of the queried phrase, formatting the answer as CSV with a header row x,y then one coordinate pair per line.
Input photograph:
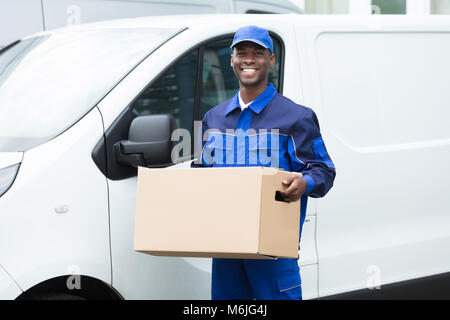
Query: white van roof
x,y
166,21
335,22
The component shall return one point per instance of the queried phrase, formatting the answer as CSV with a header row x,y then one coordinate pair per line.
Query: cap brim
x,y
251,40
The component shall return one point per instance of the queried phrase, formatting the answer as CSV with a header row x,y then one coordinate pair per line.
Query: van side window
x,y
218,80
172,93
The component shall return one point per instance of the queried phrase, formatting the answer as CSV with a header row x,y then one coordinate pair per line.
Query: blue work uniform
x,y
272,131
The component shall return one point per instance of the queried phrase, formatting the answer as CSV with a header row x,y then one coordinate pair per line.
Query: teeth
x,y
249,70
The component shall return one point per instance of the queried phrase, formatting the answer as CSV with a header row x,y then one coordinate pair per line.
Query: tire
x,y
57,296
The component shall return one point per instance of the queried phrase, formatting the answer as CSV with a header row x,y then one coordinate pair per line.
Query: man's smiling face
x,y
251,63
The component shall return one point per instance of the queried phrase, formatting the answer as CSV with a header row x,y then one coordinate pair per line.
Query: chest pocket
x,y
264,150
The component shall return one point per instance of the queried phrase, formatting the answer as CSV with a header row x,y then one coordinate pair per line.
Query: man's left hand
x,y
296,187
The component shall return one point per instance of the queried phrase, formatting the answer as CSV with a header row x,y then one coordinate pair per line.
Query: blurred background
x,y
24,17
374,6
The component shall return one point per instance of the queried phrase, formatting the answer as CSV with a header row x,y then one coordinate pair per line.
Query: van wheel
x,y
57,296
56,289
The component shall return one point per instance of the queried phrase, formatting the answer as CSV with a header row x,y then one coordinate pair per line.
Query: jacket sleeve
x,y
309,156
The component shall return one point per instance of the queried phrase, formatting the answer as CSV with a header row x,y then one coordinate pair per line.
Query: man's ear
x,y
272,61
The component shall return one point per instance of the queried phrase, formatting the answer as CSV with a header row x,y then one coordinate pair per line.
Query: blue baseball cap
x,y
254,34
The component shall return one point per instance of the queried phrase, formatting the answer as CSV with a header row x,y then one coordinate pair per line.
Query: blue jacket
x,y
272,131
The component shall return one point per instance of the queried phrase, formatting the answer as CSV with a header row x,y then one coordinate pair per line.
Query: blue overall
x,y
271,131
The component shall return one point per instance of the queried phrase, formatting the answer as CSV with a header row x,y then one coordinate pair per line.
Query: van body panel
x,y
378,88
141,276
55,215
10,158
8,288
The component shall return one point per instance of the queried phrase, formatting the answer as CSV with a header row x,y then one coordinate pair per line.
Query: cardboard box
x,y
215,212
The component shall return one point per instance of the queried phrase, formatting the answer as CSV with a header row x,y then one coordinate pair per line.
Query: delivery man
x,y
259,127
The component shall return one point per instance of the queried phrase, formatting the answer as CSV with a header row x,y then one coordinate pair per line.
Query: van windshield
x,y
48,83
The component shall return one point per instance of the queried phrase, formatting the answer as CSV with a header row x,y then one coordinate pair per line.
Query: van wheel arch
x,y
56,289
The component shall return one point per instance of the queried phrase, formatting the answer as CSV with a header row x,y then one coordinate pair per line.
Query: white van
x,y
379,85
21,18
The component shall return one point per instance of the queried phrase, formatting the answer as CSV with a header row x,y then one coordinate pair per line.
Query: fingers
x,y
292,193
291,190
296,186
289,180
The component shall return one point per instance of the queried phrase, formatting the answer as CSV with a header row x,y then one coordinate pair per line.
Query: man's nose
x,y
249,59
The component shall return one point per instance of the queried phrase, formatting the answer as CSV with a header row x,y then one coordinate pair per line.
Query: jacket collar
x,y
258,104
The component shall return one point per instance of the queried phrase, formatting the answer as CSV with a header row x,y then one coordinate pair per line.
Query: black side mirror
x,y
148,142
